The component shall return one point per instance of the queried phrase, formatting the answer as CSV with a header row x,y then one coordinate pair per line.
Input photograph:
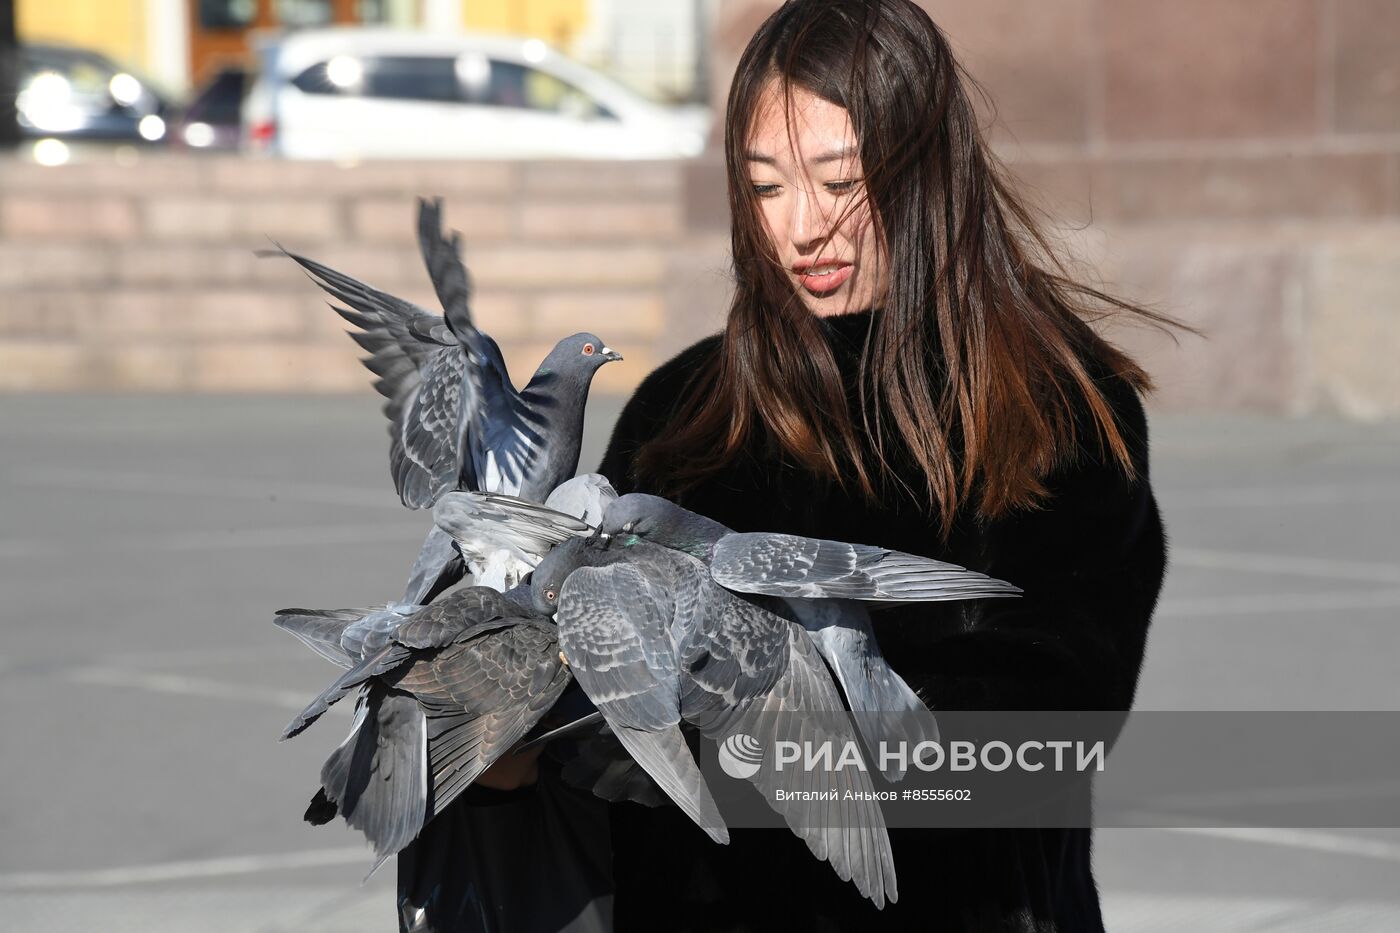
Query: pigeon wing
x,y
790,565
850,834
481,522
323,631
381,661
342,636
463,614
614,630
506,430
427,454
420,364
460,616
374,629
482,696
498,443
443,257
584,497
736,651
884,706
437,567
586,724
399,330
377,777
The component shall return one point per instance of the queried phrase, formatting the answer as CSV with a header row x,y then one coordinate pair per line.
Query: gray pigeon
x,y
445,691
501,538
456,421
654,642
823,586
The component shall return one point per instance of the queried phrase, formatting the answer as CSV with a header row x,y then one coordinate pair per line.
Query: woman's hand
x,y
513,770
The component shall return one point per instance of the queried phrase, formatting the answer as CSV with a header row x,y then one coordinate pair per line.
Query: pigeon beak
x,y
611,355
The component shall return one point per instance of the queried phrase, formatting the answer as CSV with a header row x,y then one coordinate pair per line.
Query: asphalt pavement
x,y
146,540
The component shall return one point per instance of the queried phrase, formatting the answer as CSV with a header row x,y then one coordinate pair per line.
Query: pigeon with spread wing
x,y
655,643
445,690
456,421
826,587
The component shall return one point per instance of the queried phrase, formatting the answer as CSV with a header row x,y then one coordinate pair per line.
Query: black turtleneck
x,y
848,331
1091,564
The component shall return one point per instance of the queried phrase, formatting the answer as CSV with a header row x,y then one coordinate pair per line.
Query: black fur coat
x,y
1091,564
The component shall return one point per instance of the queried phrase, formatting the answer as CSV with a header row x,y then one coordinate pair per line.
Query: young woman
x,y
906,365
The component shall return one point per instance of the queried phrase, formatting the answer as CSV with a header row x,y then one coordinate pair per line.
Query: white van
x,y
355,93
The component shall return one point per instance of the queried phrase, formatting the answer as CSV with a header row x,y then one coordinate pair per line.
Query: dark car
x,y
77,94
213,119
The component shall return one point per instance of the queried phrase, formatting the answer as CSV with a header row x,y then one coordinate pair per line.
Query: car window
x,y
81,79
397,78
469,78
513,85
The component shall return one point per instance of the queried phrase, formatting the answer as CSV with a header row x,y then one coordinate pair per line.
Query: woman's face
x,y
806,173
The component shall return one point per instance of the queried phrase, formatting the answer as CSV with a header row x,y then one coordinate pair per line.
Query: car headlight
x,y
151,127
199,135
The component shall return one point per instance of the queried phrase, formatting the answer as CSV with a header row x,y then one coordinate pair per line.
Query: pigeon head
x,y
581,353
637,517
549,575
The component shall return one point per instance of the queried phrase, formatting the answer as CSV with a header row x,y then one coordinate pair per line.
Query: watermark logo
x,y
740,756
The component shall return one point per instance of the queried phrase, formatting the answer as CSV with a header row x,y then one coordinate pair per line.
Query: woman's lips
x,y
832,278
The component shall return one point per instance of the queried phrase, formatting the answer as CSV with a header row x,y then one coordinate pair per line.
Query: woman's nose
x,y
807,222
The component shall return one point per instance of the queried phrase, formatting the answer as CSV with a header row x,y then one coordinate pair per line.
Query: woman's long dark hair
x,y
974,368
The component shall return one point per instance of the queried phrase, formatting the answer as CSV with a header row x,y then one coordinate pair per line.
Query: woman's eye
x,y
765,191
840,187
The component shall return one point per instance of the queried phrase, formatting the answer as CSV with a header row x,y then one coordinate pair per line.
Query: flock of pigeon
x,y
532,578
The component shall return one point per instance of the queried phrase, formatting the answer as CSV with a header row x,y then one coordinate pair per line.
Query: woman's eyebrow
x,y
834,155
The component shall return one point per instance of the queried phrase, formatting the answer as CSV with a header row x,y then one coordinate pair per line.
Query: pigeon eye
x,y
549,595
588,349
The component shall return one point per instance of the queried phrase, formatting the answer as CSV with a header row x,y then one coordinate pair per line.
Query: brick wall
x,y
143,276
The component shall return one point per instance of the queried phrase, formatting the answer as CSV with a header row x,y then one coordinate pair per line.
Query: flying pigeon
x,y
654,642
824,586
445,690
456,421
